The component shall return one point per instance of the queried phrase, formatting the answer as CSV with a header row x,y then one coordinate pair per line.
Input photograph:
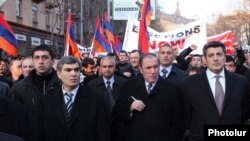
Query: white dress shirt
x,y
169,68
74,92
211,79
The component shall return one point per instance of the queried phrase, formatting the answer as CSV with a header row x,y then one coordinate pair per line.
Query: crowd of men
x,y
128,96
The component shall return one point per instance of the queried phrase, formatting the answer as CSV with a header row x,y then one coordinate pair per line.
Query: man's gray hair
x,y
67,60
111,58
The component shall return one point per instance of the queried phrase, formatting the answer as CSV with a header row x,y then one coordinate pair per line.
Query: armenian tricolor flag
x,y
100,43
8,40
143,42
71,48
115,43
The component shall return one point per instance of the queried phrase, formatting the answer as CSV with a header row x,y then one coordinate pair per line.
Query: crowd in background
x,y
124,96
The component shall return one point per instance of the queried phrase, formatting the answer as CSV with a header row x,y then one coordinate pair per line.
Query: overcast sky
x,y
199,8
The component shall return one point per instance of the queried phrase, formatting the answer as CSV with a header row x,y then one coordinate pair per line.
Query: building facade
x,y
34,24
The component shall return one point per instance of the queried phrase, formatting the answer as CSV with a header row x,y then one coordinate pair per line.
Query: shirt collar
x,y
169,68
211,75
112,79
74,91
153,84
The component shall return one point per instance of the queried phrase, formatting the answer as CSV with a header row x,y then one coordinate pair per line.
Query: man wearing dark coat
x,y
71,112
213,97
167,69
100,85
14,121
4,89
30,90
150,106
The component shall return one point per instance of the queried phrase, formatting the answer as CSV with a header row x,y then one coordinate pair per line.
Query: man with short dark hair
x,y
71,111
123,62
88,70
3,67
30,90
196,60
167,70
3,72
149,107
230,64
213,97
133,70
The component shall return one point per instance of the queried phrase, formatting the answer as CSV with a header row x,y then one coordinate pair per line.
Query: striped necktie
x,y
164,73
149,86
68,103
110,95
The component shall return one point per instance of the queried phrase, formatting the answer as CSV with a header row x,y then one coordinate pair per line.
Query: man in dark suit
x,y
71,112
14,120
246,102
88,71
107,68
9,137
133,71
213,97
167,69
112,92
149,107
247,75
4,89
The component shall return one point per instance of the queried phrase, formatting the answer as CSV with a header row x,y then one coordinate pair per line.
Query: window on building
x,y
47,18
58,26
34,12
19,8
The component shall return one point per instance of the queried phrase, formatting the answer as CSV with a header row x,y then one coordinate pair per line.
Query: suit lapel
x,y
116,87
204,84
81,101
58,105
3,107
157,88
102,89
141,91
229,86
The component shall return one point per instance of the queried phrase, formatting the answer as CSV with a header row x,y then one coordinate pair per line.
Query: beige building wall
x,y
30,34
9,9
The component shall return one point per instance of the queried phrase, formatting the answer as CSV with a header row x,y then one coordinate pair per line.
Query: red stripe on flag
x,y
143,42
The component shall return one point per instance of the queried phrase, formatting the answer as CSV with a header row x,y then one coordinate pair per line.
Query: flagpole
x,y
81,18
67,29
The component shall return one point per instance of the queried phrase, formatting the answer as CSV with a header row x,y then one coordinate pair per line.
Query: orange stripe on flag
x,y
7,47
